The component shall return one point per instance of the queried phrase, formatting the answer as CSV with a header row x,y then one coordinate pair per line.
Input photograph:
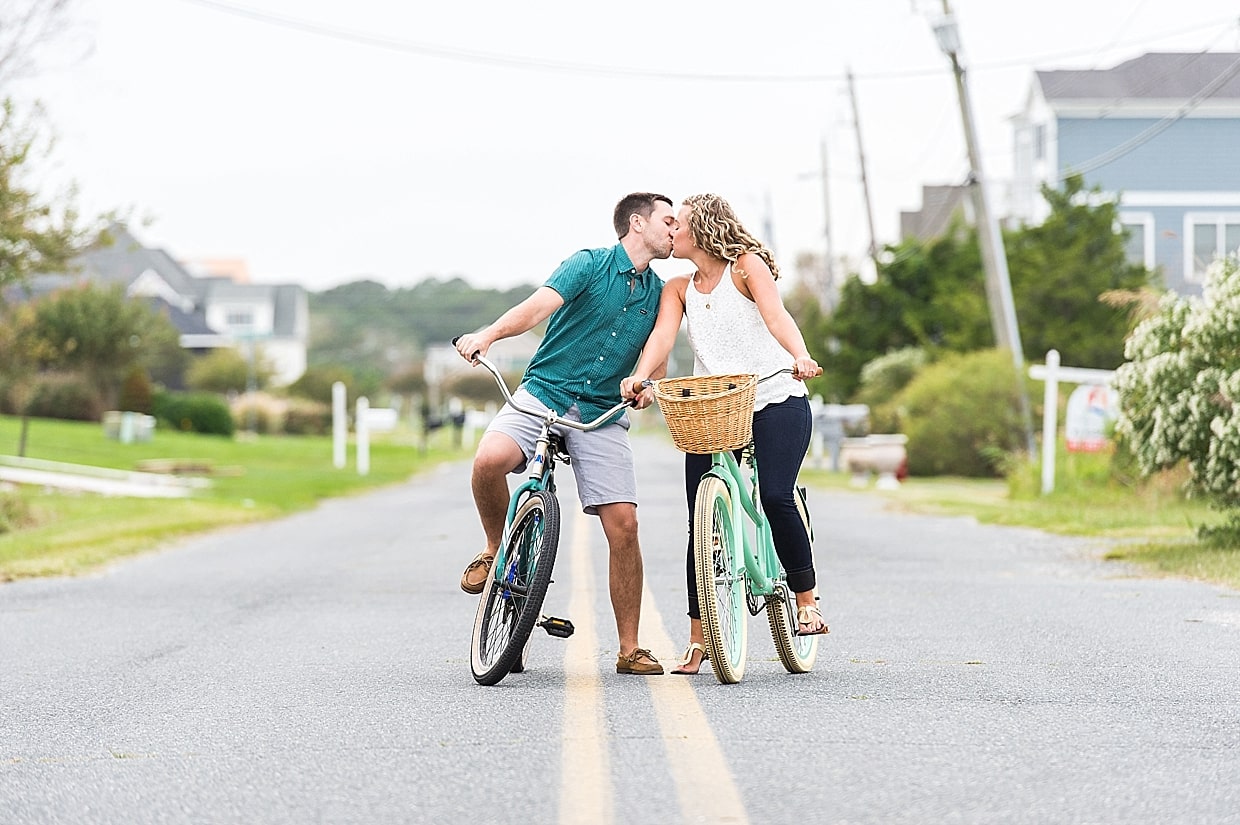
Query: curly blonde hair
x,y
715,228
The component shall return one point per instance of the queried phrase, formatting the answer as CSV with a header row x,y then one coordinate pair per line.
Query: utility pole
x,y
990,239
828,264
865,184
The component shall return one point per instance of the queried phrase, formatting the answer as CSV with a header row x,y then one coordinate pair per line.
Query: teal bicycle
x,y
511,600
737,569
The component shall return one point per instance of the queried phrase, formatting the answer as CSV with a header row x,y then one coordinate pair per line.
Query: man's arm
x,y
522,318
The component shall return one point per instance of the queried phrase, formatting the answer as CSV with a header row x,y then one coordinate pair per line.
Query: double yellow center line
x,y
705,788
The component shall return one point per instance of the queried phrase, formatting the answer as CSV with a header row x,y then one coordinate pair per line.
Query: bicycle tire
x,y
511,600
720,571
797,653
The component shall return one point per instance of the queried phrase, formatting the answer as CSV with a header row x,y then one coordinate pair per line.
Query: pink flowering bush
x,y
1180,388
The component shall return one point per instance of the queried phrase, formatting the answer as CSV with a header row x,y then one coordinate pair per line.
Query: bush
x,y
315,384
14,513
882,380
305,417
962,416
198,412
137,394
65,396
266,410
226,370
1180,388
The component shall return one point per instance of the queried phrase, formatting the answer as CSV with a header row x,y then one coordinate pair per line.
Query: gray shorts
x,y
602,459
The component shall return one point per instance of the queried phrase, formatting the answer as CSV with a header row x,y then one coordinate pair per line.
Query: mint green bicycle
x,y
737,569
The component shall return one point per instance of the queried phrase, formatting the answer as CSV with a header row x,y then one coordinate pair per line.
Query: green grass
x,y
1150,524
253,479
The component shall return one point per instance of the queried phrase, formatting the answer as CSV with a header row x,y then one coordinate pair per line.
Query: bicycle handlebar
x,y
549,416
650,383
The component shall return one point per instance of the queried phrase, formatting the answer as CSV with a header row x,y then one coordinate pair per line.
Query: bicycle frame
x,y
759,550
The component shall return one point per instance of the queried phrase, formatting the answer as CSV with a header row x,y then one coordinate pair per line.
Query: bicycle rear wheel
x,y
797,653
511,601
720,570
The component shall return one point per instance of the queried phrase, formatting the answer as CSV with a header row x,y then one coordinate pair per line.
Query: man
x,y
602,305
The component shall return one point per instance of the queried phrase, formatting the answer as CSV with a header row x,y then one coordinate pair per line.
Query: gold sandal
x,y
682,668
810,614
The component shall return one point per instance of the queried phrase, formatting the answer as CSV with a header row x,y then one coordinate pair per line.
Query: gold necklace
x,y
713,287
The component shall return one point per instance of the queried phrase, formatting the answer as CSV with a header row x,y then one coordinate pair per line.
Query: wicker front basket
x,y
708,413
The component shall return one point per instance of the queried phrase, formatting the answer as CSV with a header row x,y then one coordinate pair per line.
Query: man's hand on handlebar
x,y
471,345
639,391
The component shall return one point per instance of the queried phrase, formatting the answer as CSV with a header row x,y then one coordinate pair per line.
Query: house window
x,y
1139,242
239,319
1212,236
1039,142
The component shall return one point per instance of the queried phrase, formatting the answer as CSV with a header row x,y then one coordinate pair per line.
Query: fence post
x,y
363,436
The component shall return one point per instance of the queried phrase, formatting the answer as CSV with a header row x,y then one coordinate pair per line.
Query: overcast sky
x,y
324,142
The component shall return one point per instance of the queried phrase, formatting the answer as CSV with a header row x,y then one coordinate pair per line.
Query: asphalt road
x,y
315,670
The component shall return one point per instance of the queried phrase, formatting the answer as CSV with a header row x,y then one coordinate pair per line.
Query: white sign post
x,y
1052,374
340,425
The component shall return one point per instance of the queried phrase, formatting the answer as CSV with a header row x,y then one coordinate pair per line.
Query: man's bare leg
x,y
497,454
624,570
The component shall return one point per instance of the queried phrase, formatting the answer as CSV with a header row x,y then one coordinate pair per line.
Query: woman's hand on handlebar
x,y
805,369
639,391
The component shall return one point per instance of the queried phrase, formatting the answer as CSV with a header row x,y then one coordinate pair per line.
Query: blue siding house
x,y
1161,135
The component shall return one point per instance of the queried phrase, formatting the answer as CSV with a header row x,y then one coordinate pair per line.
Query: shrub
x,y
304,417
267,412
882,380
14,512
137,394
1180,387
198,412
316,382
962,416
228,370
67,396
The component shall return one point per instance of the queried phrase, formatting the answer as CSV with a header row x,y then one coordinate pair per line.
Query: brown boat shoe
x,y
640,662
475,576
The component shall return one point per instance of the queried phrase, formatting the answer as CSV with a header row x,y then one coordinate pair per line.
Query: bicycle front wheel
x,y
797,653
720,571
511,601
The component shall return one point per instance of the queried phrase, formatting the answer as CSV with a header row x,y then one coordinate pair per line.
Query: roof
x,y
1158,76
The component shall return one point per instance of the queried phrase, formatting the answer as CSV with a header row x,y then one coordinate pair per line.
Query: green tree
x,y
23,354
36,234
100,333
1060,271
930,295
364,322
225,370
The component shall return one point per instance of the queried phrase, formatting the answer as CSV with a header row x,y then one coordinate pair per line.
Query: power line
x,y
563,67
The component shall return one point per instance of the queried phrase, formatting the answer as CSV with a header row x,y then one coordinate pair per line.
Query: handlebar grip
x,y
472,357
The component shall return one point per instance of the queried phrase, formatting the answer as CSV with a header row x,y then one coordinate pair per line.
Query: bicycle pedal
x,y
557,627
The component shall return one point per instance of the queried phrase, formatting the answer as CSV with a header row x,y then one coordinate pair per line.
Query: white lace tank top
x,y
728,335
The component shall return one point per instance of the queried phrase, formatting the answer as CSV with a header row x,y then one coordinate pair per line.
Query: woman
x,y
737,323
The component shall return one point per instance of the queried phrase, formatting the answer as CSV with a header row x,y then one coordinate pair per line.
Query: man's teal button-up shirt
x,y
593,340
